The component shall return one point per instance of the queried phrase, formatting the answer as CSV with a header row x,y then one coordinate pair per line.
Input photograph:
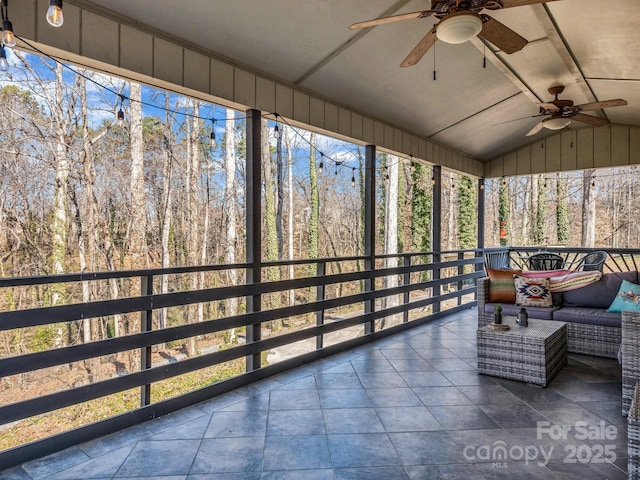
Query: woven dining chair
x,y
545,261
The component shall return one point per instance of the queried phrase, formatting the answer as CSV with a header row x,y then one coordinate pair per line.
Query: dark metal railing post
x,y
436,231
406,280
146,325
320,291
460,272
254,227
370,233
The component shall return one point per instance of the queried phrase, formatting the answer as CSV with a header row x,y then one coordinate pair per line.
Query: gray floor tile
x,y
372,473
337,380
425,379
381,379
372,365
295,422
513,416
299,452
352,420
160,457
426,448
458,417
323,474
55,463
294,399
393,397
344,398
444,472
411,365
222,455
407,419
362,450
486,394
237,424
441,396
96,468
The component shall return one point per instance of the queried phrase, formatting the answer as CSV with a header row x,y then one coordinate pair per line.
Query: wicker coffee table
x,y
533,354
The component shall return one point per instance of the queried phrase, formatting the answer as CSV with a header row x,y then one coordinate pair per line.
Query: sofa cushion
x,y
541,313
601,293
501,285
592,316
628,298
533,292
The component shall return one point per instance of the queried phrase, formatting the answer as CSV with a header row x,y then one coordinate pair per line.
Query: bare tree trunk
x,y
292,298
167,172
193,214
588,210
60,193
230,213
391,234
137,245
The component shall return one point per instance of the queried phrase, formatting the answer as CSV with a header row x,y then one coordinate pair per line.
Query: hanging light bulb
x,y
321,166
4,65
120,117
433,180
353,177
276,131
212,135
54,13
8,38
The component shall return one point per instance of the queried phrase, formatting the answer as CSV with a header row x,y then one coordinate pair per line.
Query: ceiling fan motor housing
x,y
459,27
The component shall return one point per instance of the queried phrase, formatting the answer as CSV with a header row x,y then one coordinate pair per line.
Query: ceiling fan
x,y
561,112
460,21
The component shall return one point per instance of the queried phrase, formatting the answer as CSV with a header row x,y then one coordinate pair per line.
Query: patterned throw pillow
x,y
501,286
628,298
533,292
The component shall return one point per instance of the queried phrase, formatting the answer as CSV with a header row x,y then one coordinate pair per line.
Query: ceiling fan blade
x,y
589,120
548,106
517,119
501,36
420,49
618,102
520,3
390,19
535,129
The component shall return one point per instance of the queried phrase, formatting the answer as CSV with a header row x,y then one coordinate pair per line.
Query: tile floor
x,y
408,407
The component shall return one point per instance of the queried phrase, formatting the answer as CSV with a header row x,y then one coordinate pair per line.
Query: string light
x,y
433,180
4,65
54,13
353,177
321,166
120,115
212,135
8,38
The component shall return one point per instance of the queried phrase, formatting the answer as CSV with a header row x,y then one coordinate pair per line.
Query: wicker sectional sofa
x,y
591,330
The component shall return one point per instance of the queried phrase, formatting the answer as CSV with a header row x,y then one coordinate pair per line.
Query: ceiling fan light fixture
x,y
556,123
459,27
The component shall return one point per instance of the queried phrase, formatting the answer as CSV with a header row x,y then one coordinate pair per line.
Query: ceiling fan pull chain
x,y
434,62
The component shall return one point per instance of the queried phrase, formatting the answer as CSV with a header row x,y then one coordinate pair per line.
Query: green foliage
x,y
421,208
467,217
538,226
43,339
562,210
315,206
503,212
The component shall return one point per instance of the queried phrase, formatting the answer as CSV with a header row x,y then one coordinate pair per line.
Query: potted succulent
x,y
497,314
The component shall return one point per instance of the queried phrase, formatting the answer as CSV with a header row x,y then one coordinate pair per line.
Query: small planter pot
x,y
497,318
